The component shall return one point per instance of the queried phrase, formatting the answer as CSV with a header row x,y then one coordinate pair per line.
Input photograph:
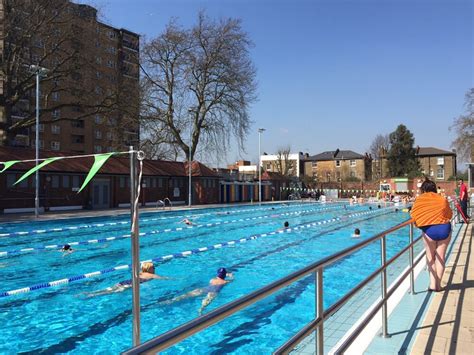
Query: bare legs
x,y
436,259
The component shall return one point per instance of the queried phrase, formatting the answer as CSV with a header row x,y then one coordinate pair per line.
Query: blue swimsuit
x,y
437,231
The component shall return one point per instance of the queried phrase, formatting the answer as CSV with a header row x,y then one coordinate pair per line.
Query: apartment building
x,y
89,82
338,165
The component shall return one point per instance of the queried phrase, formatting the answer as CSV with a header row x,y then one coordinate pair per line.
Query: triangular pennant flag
x,y
99,160
7,164
38,167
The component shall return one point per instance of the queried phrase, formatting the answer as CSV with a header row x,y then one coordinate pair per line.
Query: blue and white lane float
x,y
96,225
124,236
179,255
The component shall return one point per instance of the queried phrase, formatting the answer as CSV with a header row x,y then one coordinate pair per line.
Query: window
x,y
98,149
75,181
153,182
314,164
98,90
41,128
111,63
66,181
55,181
440,161
11,178
440,172
98,60
23,183
160,182
112,121
56,114
352,174
338,163
353,163
122,182
111,34
41,144
55,145
39,43
98,119
77,124
55,129
98,135
109,136
98,74
55,96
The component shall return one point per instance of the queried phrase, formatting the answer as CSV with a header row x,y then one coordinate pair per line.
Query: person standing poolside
x,y
463,197
432,214
215,286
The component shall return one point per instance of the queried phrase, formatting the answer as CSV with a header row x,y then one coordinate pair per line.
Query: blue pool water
x,y
65,319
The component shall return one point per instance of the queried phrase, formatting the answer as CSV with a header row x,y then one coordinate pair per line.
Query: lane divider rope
x,y
84,226
180,255
168,230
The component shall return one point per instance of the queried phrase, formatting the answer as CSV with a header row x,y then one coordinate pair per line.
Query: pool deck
x,y
436,322
448,326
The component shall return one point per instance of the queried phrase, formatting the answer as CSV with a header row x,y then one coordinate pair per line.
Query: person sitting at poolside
x,y
215,286
356,233
187,221
147,274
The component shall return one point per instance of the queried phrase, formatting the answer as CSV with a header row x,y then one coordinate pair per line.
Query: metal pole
x,y
319,311
260,130
135,250
412,275
190,166
384,288
37,144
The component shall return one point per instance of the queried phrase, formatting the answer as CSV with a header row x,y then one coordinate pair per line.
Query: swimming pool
x,y
64,319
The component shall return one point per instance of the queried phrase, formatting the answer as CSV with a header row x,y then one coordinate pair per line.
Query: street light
x,y
189,164
260,131
40,72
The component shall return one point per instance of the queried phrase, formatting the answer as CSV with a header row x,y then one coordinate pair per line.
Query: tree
x,y
402,160
463,127
198,85
284,165
379,146
56,35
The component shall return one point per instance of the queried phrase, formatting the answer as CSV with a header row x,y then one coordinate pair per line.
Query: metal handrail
x,y
184,331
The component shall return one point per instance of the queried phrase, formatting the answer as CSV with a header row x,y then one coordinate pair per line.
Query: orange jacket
x,y
430,208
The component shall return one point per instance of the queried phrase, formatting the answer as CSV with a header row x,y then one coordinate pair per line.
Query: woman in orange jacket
x,y
432,214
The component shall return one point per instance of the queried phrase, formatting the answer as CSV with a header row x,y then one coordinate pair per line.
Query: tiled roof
x,y
424,151
113,166
341,155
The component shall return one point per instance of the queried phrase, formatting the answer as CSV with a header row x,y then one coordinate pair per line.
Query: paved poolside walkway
x,y
448,327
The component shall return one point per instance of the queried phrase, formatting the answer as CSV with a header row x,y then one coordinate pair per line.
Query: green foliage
x,y
401,157
351,179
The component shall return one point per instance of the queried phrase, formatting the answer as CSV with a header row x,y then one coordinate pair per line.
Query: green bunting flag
x,y
34,169
8,164
99,160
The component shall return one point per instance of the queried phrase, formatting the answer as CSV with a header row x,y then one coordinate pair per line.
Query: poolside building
x,y
60,181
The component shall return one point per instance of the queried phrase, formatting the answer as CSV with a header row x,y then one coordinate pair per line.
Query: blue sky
x,y
334,74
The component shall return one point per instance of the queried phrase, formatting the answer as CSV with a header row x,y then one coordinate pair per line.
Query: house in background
x,y
338,165
436,163
290,165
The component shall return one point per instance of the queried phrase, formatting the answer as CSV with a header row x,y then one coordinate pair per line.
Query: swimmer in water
x,y
147,274
356,233
66,250
212,290
286,225
187,222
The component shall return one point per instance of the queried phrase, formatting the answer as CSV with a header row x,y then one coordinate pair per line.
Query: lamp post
x,y
260,131
40,72
190,165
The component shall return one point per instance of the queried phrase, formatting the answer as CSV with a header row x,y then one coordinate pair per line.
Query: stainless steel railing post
x,y
412,272
384,288
319,311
